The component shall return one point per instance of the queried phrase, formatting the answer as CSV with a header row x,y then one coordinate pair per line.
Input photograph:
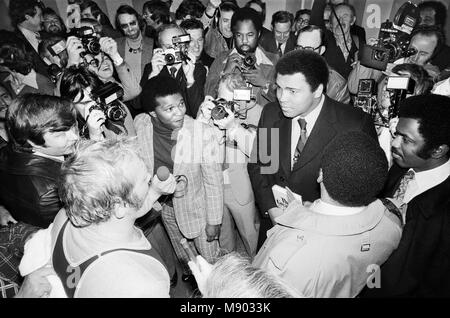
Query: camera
x,y
249,62
56,48
178,54
393,39
400,87
366,98
90,39
55,72
107,98
241,94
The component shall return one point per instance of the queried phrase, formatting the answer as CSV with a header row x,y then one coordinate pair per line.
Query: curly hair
x,y
433,113
94,179
15,57
354,169
156,87
193,8
310,64
246,14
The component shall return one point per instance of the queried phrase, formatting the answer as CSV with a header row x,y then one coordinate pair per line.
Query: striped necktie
x,y
301,141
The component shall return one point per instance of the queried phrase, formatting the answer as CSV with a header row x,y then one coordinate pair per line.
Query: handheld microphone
x,y
163,173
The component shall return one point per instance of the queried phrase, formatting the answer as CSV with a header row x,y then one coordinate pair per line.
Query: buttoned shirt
x,y
310,119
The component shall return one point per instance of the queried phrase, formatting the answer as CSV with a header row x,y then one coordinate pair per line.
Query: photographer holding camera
x,y
248,58
101,114
236,113
173,59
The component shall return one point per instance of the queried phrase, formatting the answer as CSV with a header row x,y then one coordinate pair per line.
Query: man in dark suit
x,y
190,74
420,185
281,40
300,125
26,18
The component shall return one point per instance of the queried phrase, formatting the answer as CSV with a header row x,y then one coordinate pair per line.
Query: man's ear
x,y
153,114
440,152
319,91
353,21
34,146
322,49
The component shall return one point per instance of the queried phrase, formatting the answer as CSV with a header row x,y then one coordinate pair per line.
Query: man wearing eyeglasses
x,y
311,38
281,40
135,47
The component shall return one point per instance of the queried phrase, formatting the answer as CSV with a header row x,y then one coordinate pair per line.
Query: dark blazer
x,y
333,119
194,95
147,50
28,187
268,43
333,55
420,265
39,65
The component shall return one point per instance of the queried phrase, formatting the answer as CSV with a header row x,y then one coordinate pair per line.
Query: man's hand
x,y
158,62
5,216
206,107
109,46
233,61
164,187
273,213
201,270
212,232
95,121
188,68
255,77
36,284
74,49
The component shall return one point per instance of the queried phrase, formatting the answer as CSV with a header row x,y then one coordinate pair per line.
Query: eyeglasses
x,y
127,25
299,47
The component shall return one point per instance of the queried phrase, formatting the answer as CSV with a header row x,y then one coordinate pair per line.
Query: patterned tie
x,y
401,190
280,53
173,71
301,141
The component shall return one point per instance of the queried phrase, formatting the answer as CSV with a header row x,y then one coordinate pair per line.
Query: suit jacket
x,y
147,50
212,81
268,43
194,95
420,266
196,156
265,172
39,65
28,187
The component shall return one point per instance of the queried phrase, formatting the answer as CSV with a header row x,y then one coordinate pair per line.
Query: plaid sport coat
x,y
196,156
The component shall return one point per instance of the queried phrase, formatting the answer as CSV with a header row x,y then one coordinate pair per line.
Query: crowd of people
x,y
198,147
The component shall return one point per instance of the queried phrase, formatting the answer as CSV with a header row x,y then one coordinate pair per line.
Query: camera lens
x,y
218,112
249,61
115,112
170,59
93,47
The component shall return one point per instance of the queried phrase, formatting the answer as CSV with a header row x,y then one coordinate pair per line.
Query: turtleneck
x,y
163,142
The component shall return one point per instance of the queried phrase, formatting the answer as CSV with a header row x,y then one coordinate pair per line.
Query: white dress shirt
x,y
426,180
322,207
31,37
310,119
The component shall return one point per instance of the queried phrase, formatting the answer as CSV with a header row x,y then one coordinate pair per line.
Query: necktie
x,y
301,141
280,53
173,71
401,190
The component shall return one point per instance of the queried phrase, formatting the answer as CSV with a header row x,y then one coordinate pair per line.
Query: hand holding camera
x,y
234,61
75,50
255,77
109,46
95,120
206,107
188,69
158,62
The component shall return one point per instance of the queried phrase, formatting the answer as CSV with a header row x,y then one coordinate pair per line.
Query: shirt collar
x,y
430,178
325,208
261,58
56,158
311,118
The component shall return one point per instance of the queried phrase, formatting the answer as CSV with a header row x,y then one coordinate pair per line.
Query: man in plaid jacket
x,y
189,149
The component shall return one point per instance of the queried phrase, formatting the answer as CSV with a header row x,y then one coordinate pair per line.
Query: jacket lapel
x,y
322,133
285,145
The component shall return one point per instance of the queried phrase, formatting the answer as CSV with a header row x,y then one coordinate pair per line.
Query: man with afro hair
x,y
329,248
419,181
